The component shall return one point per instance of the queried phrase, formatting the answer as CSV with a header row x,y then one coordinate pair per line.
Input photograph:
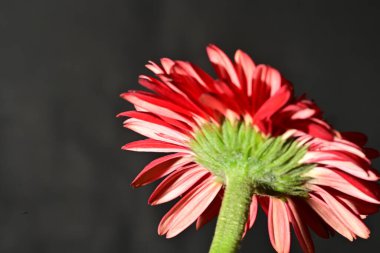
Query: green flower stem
x,y
233,215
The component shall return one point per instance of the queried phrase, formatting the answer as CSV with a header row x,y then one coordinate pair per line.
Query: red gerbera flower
x,y
242,141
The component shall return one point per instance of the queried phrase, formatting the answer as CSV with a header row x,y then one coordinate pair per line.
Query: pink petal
x,y
157,106
329,216
188,209
246,67
222,65
252,214
317,156
211,211
340,161
371,189
160,167
149,145
300,227
304,113
146,116
278,225
352,222
167,64
267,82
336,144
349,147
157,131
176,184
273,79
154,68
343,183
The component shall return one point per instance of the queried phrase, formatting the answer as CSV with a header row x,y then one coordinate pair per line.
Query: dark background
x,y
65,183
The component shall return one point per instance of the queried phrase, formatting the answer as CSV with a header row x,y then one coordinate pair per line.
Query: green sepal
x,y
270,164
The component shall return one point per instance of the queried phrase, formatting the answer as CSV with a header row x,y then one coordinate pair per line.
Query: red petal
x,y
358,206
217,105
312,219
160,167
178,124
319,131
355,137
264,203
273,104
371,153
260,89
172,93
213,103
198,75
316,130
300,228
156,86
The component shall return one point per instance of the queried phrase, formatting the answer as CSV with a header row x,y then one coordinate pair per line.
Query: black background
x,y
65,183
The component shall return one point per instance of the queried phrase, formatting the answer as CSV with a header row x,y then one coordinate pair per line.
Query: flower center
x,y
270,164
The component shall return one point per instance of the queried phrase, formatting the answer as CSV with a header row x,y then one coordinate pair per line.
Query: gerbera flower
x,y
241,141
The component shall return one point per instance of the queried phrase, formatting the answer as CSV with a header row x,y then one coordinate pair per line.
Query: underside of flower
x,y
271,165
241,141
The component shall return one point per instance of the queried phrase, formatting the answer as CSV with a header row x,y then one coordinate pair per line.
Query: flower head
x,y
245,133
